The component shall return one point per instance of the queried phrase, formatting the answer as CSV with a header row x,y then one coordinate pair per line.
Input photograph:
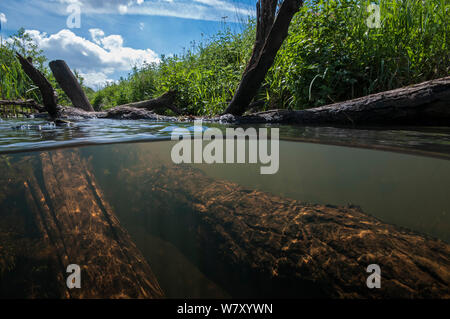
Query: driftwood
x,y
48,94
160,103
74,91
24,103
284,247
70,85
425,103
270,34
62,218
421,104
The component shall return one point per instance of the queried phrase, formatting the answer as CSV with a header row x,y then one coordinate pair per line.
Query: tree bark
x,y
70,85
63,219
270,34
284,247
425,103
25,103
164,101
48,93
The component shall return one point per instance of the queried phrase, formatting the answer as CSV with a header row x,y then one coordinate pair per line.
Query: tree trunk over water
x,y
48,93
70,85
425,103
24,103
160,103
270,34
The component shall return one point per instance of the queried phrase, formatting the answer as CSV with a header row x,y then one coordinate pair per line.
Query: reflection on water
x,y
141,226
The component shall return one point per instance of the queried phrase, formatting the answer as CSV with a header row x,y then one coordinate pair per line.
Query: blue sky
x,y
116,34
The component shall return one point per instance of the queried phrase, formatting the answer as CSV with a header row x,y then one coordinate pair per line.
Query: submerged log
x,y
69,222
426,103
69,83
286,248
48,94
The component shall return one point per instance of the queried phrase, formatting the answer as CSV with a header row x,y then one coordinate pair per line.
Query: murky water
x,y
223,230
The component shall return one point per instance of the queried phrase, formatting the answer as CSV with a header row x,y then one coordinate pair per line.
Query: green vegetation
x,y
14,83
205,76
330,55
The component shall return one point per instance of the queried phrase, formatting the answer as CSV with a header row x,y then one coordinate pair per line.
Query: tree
x,y
271,29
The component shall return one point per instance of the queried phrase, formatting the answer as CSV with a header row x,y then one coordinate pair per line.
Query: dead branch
x,y
48,93
69,83
270,34
164,101
24,103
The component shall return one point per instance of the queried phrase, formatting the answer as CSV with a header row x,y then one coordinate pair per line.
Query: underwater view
x,y
225,158
141,226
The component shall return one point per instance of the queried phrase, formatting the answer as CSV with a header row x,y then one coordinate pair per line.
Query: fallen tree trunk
x,y
425,103
270,34
25,103
48,94
420,104
160,103
74,91
284,247
67,221
70,85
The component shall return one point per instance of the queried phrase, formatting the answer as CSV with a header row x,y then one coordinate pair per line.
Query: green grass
x,y
330,55
14,83
205,75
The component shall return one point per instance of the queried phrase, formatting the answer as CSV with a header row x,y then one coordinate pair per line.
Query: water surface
x,y
400,176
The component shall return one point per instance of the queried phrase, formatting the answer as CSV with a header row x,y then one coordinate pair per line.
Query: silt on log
x,y
69,222
285,247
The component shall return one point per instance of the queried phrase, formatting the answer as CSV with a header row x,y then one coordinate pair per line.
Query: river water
x,y
399,176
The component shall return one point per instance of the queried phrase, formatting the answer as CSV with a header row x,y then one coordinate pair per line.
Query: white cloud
x,y
123,9
211,10
96,80
96,35
97,59
3,18
112,42
141,26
